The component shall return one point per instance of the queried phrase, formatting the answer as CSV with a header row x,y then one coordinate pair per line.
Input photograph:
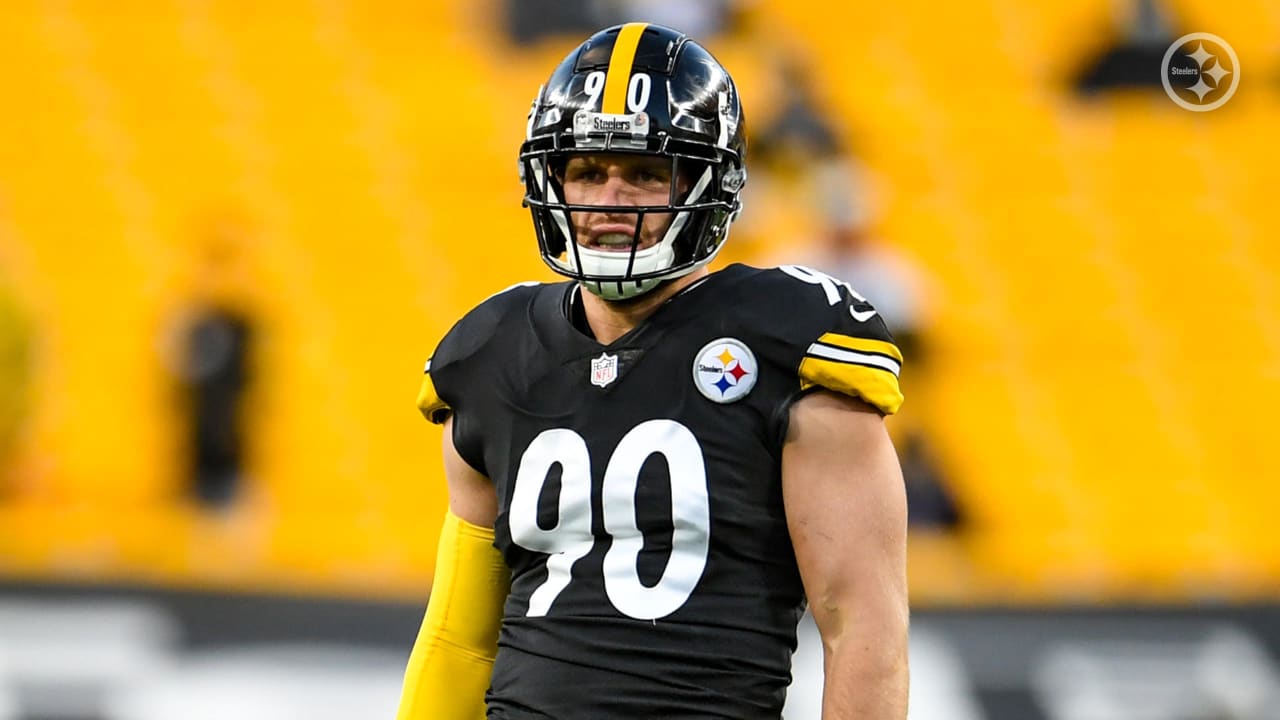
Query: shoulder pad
x,y
463,341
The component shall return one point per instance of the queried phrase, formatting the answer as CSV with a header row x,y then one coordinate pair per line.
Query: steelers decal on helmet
x,y
725,370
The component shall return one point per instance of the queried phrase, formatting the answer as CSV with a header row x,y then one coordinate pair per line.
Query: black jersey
x,y
639,486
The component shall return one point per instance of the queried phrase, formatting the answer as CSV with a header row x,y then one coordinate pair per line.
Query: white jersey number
x,y
571,538
829,285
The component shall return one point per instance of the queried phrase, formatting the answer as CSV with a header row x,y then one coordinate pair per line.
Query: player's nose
x,y
613,191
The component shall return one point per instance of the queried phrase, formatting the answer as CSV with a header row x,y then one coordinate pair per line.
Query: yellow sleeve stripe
x,y
866,345
618,77
875,385
429,402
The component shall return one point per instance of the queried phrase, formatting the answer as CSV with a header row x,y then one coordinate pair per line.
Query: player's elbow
x,y
878,628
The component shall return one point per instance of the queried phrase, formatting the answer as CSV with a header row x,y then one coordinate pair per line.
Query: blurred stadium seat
x,y
1084,249
1108,337
1085,252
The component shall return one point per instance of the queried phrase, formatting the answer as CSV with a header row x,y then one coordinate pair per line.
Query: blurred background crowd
x,y
231,234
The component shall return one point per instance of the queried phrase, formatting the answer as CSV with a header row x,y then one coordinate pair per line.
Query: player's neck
x,y
610,320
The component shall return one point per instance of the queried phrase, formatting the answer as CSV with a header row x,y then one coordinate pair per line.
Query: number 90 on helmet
x,y
638,89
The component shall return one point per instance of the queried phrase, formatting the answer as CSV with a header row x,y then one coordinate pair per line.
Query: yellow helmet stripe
x,y
619,74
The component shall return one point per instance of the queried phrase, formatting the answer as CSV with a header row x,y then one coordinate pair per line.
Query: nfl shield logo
x,y
604,369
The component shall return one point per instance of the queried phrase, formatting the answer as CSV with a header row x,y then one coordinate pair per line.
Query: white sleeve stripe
x,y
427,369
826,352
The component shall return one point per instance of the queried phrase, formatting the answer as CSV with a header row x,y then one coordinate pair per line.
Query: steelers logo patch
x,y
725,370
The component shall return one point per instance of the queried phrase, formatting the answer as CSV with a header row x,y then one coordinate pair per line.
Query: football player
x,y
652,467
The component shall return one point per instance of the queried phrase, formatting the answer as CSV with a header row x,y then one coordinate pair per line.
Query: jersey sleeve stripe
x,y
865,345
827,352
429,402
886,356
876,385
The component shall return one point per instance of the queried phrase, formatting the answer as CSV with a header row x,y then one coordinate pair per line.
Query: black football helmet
x,y
637,88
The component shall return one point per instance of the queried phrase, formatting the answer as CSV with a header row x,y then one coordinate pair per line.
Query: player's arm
x,y
846,510
452,660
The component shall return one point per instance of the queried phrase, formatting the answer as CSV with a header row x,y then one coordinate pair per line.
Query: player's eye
x,y
584,174
651,176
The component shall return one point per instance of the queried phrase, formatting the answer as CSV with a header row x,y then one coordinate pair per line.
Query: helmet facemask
x,y
695,230
660,95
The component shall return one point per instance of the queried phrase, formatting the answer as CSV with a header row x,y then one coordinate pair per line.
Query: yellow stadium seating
x,y
1107,330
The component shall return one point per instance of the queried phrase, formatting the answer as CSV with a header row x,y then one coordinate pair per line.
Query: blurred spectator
x,y
798,133
846,250
801,144
1133,59
529,21
216,373
701,19
15,370
215,342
